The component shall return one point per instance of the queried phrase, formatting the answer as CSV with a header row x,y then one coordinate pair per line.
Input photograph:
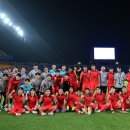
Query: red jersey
x,y
85,79
73,80
113,97
94,79
110,79
88,99
128,79
47,100
64,80
18,100
70,100
13,83
100,98
77,98
60,99
32,101
57,80
125,96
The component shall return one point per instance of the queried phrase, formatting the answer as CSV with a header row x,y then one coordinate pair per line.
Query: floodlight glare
x,y
6,20
20,33
10,24
2,15
17,28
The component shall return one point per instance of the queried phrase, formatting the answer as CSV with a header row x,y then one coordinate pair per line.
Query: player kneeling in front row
x,y
89,105
48,103
99,100
125,95
78,102
32,101
18,100
70,96
116,101
60,101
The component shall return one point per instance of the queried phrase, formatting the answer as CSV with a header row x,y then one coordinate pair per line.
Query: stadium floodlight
x,y
17,28
2,15
10,24
20,33
5,19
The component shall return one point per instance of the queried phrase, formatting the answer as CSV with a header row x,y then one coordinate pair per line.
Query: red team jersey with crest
x,y
100,98
13,83
128,79
73,80
88,99
47,100
32,101
18,101
94,79
60,99
85,79
110,77
57,80
70,99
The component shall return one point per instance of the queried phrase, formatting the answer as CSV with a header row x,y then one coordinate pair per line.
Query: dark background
x,y
71,29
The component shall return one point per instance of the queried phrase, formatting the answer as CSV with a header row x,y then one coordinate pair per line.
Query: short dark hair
x,y
87,89
18,74
37,73
5,75
57,71
33,89
124,87
49,75
35,64
27,79
119,67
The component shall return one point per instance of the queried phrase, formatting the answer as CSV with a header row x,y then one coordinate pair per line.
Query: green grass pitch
x,y
66,121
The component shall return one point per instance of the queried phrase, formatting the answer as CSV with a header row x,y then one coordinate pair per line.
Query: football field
x,y
66,121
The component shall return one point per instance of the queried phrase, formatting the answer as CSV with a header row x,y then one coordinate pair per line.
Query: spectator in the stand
x,y
36,82
23,75
119,78
34,71
45,73
63,70
103,79
53,70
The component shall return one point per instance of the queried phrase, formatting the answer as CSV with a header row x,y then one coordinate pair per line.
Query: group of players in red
x,y
60,91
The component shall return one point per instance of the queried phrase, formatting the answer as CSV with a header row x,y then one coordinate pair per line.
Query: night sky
x,y
72,28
